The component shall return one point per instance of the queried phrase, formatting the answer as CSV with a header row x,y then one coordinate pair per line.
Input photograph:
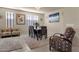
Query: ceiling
x,y
44,9
37,9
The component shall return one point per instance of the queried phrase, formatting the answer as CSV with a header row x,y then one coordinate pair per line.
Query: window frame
x,y
32,18
9,19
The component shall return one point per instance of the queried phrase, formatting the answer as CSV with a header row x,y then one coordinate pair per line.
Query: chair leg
x,y
50,47
45,36
40,37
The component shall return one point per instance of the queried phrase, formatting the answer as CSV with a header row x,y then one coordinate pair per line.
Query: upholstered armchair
x,y
62,42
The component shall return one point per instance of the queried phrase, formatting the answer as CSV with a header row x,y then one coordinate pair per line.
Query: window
x,y
31,19
9,19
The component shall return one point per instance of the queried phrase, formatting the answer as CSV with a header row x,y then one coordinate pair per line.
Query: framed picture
x,y
20,19
54,17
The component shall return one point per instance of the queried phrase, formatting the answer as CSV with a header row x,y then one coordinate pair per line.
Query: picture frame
x,y
20,19
54,17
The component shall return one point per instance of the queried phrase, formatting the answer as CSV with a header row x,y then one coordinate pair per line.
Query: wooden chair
x,y
44,31
31,31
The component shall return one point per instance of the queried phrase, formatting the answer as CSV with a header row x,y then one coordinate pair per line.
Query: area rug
x,y
33,42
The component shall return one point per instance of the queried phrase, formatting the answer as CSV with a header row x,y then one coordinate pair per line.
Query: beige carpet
x,y
33,43
42,45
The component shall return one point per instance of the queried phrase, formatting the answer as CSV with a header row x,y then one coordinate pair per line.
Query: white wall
x,y
71,17
68,17
56,27
22,28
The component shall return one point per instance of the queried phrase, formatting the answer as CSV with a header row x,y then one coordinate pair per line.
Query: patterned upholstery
x,y
62,42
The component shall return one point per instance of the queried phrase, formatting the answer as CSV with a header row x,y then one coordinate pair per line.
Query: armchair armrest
x,y
50,38
61,36
67,40
58,34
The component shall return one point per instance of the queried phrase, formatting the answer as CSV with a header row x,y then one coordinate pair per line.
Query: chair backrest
x,y
69,33
31,29
44,29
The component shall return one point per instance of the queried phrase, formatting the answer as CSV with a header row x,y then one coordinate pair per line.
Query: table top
x,y
38,28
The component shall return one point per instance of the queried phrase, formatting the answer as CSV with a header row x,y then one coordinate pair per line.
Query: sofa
x,y
9,32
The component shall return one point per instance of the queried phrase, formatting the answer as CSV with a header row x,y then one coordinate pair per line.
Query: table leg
x,y
37,35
